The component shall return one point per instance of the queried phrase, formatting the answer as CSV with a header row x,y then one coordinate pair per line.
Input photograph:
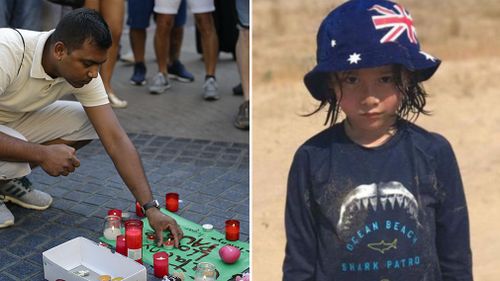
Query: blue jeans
x,y
24,14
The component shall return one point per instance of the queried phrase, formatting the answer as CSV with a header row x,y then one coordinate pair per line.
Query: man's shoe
x,y
210,89
20,191
159,85
242,120
139,76
238,90
6,217
116,102
178,72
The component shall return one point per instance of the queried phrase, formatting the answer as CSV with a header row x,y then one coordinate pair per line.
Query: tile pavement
x,y
212,178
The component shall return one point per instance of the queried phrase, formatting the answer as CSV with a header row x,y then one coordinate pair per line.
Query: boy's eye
x,y
387,79
351,79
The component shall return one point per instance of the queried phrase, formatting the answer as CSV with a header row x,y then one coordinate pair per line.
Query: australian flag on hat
x,y
364,34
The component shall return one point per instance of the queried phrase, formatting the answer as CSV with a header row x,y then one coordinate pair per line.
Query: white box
x,y
60,262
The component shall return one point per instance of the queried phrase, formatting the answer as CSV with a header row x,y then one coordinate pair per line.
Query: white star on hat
x,y
354,58
333,43
427,56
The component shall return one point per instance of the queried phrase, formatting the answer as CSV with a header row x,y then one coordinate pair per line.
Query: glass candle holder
x,y
121,245
112,227
205,271
172,201
138,210
133,239
160,264
232,230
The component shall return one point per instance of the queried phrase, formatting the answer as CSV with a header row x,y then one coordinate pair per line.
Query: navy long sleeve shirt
x,y
394,212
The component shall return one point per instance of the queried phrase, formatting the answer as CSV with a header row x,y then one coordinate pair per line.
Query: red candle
x,y
138,210
121,246
232,230
172,201
133,239
160,264
115,212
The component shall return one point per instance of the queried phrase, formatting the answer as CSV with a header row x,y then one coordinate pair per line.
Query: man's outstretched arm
x,y
129,166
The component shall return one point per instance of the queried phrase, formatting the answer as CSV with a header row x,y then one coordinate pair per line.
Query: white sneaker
x,y
116,102
20,191
210,89
159,85
6,217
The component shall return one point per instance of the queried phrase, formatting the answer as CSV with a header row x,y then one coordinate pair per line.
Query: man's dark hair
x,y
80,25
412,105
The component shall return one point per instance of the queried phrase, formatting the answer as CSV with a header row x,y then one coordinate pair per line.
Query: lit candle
x,y
111,233
205,271
169,243
160,264
172,201
121,245
138,210
133,238
232,230
112,225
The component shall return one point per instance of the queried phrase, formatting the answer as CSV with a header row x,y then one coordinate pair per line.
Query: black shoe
x,y
238,90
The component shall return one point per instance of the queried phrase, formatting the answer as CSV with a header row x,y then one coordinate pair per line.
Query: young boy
x,y
374,197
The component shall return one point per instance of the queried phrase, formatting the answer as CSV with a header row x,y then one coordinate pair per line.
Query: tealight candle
x,y
232,230
112,225
160,264
172,201
205,271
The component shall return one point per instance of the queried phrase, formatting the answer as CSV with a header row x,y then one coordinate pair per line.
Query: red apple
x,y
229,254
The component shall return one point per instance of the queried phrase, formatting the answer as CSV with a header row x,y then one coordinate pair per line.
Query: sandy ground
x,y
464,100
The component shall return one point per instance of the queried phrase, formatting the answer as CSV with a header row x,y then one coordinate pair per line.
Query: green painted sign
x,y
196,246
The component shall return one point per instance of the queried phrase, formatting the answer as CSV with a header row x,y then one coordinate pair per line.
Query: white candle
x,y
111,233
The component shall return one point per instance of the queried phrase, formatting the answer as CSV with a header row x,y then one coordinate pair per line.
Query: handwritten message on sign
x,y
196,246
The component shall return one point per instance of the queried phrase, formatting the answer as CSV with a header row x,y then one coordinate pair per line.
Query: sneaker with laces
x,y
210,89
159,84
139,76
178,72
6,217
20,191
241,121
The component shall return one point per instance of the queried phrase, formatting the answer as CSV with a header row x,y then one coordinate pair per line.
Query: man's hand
x,y
59,159
160,222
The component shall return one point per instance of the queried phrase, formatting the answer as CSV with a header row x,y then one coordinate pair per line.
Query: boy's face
x,y
81,65
369,97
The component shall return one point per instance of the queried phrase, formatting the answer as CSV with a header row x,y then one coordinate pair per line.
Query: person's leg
x,y
92,4
242,120
6,10
165,13
112,11
139,14
202,10
176,69
27,15
63,122
209,41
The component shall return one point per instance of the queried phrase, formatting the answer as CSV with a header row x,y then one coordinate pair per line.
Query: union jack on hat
x,y
363,34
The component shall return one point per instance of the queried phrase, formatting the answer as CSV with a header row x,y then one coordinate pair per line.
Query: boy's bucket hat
x,y
363,34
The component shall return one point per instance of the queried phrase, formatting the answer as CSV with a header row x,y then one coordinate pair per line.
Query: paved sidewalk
x,y
187,145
